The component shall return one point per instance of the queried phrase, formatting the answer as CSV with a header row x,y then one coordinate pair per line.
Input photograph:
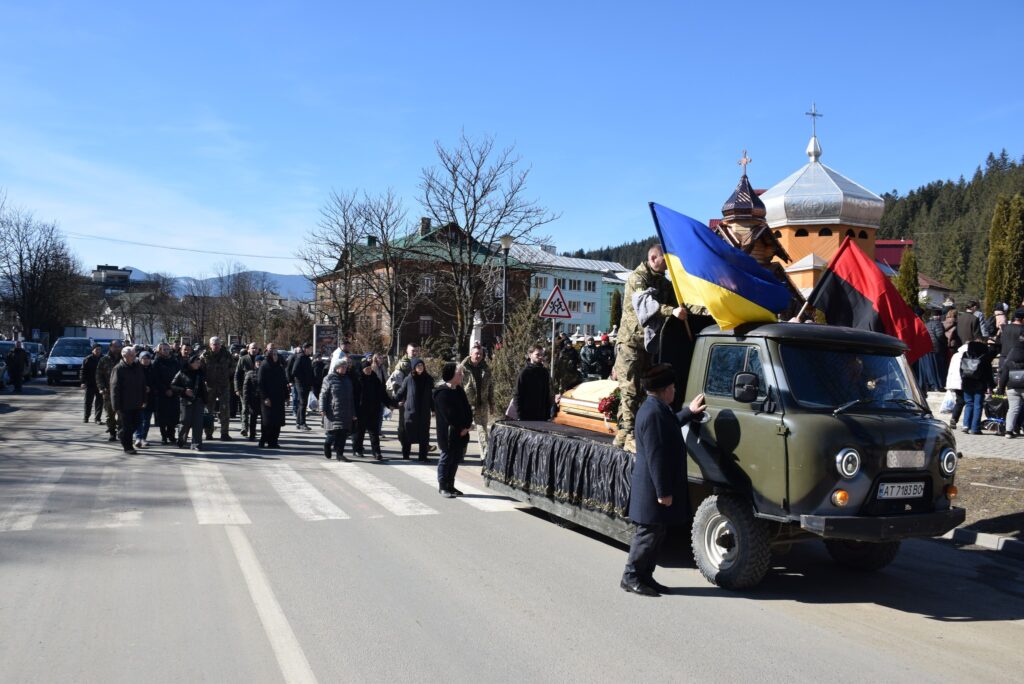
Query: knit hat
x,y
659,377
448,372
145,355
604,338
259,358
195,357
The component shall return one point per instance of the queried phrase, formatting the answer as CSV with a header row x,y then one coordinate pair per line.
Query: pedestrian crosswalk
x,y
209,493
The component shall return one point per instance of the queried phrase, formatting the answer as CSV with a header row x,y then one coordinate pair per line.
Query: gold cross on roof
x,y
744,161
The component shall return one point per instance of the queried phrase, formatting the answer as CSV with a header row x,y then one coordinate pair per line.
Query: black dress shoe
x,y
379,456
448,494
638,588
343,458
225,438
112,438
455,491
131,451
658,587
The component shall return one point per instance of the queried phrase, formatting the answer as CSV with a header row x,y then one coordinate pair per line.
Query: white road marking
x,y
478,498
302,497
213,500
29,503
387,495
287,650
112,511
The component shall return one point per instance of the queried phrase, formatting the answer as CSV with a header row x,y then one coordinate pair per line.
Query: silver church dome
x,y
817,194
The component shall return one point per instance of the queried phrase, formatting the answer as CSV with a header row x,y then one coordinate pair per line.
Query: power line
x,y
85,236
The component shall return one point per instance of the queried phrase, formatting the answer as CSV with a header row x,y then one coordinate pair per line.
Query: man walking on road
x,y
300,375
104,368
128,397
246,363
17,361
219,366
478,383
93,397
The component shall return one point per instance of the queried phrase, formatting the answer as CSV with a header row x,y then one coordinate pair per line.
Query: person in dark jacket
x,y
338,406
273,398
128,397
246,363
300,374
454,419
968,326
87,377
251,398
319,373
588,357
1011,334
370,410
1013,387
940,350
975,386
146,415
168,405
17,361
659,496
104,369
416,397
189,385
533,388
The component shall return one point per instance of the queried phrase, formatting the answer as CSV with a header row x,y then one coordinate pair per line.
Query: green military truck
x,y
811,433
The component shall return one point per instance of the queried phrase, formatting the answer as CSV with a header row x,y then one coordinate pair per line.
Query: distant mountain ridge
x,y
288,286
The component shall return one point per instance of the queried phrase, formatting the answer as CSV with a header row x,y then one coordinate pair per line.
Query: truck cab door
x,y
746,437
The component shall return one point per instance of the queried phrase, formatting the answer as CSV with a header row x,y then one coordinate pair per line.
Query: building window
x,y
589,286
801,232
778,233
574,284
540,282
560,283
825,232
863,235
428,284
589,307
591,329
850,233
426,325
379,325
574,305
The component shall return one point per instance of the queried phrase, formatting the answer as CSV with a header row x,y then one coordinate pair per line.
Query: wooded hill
x,y
949,222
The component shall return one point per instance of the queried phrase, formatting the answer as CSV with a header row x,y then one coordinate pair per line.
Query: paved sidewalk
x,y
988,445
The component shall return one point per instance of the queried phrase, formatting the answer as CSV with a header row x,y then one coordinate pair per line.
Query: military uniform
x,y
402,369
567,372
246,363
478,381
103,370
631,359
220,368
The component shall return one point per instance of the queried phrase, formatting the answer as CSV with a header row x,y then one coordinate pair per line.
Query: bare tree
x,y
330,257
476,194
242,298
197,304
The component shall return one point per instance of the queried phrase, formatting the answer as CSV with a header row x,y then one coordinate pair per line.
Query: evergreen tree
x,y
616,308
995,276
523,328
906,280
1013,252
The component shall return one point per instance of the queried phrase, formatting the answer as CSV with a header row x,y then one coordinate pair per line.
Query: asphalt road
x,y
244,566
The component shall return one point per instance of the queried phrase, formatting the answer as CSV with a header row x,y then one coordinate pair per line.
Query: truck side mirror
x,y
744,387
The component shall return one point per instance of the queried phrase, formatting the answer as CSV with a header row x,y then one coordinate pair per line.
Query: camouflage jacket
x,y
219,367
397,378
642,278
104,368
480,395
567,371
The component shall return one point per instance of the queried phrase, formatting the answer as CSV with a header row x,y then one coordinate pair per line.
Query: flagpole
x,y
828,270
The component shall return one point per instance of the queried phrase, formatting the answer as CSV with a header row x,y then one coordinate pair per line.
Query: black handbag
x,y
1015,380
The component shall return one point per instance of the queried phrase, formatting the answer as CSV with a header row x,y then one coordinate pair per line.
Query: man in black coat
x,y
300,375
246,363
533,388
128,396
17,361
454,419
1011,333
93,397
168,405
659,496
370,403
968,327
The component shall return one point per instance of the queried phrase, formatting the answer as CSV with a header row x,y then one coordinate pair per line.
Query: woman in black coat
x,y
369,410
189,385
274,398
416,396
454,418
165,367
533,388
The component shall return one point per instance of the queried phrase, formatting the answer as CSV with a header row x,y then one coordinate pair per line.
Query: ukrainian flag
x,y
706,270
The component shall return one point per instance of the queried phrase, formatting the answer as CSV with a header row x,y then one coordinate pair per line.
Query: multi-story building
x,y
587,285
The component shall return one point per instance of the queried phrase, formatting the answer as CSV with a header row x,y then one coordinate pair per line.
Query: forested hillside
x,y
629,254
949,222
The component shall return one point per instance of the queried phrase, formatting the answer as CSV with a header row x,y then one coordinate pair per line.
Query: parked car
x,y
5,347
38,353
65,361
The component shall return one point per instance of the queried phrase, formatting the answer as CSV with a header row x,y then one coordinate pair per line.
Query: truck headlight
x,y
947,462
848,463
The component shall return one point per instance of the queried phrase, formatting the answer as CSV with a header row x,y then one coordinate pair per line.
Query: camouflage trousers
x,y
482,420
630,365
108,408
220,401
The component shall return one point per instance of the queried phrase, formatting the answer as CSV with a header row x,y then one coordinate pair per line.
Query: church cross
x,y
814,119
744,161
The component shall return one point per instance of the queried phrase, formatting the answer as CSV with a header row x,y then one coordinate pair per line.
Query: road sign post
x,y
555,308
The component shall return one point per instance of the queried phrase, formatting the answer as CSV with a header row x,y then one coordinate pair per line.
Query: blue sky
x,y
225,125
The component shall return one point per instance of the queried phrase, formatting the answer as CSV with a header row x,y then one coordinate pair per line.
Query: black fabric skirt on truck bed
x,y
572,473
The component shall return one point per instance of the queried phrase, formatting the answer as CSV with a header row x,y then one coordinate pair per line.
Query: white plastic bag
x,y
948,402
312,404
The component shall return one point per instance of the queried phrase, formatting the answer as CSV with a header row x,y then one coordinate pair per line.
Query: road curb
x,y
992,542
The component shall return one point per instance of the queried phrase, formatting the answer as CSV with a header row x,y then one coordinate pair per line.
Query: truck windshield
x,y
73,348
833,378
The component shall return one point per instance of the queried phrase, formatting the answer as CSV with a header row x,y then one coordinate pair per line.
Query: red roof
x,y
891,251
926,283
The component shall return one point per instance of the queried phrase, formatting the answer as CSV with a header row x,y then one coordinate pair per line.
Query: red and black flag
x,y
854,292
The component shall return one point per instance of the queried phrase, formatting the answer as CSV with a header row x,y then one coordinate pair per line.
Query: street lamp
x,y
506,245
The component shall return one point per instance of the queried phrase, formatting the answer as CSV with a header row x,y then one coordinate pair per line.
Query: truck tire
x,y
867,556
730,546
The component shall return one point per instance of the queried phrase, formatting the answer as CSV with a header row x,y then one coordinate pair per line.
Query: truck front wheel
x,y
868,556
730,545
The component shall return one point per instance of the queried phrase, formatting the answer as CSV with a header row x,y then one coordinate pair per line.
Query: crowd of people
x,y
189,393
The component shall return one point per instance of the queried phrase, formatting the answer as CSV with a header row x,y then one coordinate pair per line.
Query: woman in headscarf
x,y
416,395
338,406
189,386
370,411
273,398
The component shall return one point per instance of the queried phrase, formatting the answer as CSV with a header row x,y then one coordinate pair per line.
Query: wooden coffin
x,y
578,407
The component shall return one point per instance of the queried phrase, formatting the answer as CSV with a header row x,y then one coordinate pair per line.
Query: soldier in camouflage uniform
x,y
567,371
478,382
397,378
631,359
220,367
103,370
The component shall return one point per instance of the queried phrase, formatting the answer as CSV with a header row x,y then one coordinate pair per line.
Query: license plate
x,y
901,490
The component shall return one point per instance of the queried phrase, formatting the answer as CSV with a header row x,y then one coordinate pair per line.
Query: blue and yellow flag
x,y
706,270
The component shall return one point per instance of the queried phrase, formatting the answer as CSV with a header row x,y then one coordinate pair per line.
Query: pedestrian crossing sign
x,y
555,306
